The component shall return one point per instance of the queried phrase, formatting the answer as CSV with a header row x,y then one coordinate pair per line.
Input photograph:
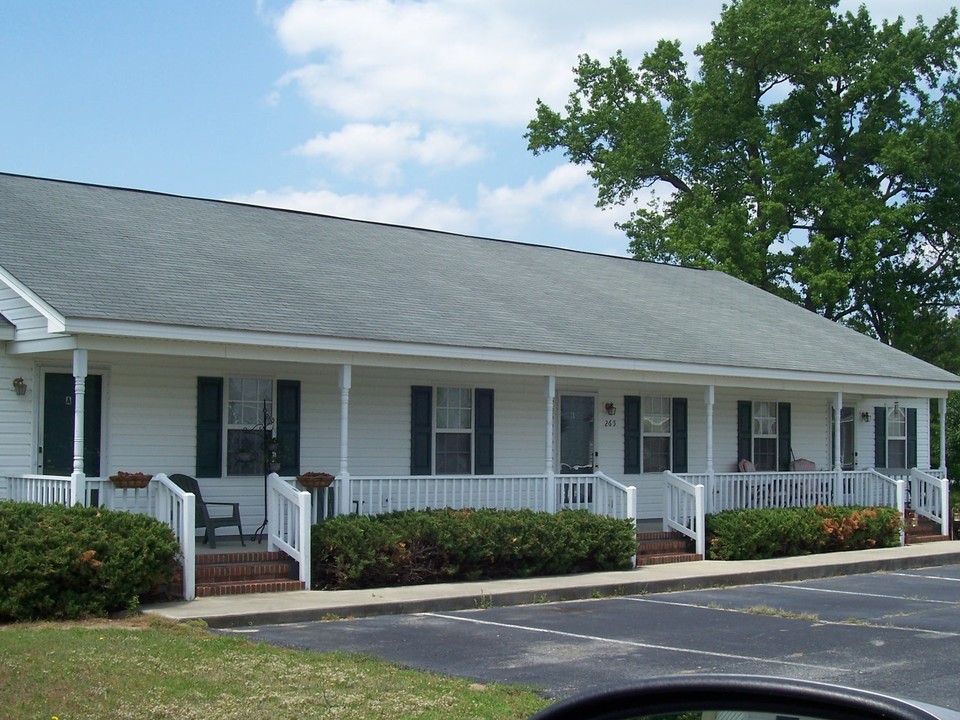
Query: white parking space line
x,y
864,594
925,577
632,643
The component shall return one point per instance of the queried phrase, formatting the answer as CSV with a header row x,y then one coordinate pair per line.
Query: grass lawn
x,y
148,667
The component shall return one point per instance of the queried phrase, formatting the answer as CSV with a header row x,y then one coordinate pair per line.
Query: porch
x,y
290,509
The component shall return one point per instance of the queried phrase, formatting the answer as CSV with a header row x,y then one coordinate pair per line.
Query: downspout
x,y
78,489
346,380
550,392
837,462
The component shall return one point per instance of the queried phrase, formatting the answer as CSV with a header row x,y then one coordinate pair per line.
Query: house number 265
x,y
610,423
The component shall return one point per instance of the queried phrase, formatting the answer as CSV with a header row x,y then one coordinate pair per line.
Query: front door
x,y
577,454
56,448
848,457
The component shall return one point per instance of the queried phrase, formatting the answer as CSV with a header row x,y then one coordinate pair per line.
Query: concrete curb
x,y
305,606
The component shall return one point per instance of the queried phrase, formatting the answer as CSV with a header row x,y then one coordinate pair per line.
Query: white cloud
x,y
376,152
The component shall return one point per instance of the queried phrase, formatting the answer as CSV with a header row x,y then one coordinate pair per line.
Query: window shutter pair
x,y
209,459
880,437
745,433
421,431
633,435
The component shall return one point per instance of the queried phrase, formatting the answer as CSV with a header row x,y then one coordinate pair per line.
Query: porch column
x,y
837,461
942,406
550,391
710,397
346,373
78,490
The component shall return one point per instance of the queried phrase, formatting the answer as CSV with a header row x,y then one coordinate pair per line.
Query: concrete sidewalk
x,y
273,608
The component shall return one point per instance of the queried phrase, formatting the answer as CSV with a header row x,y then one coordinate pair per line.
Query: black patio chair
x,y
204,519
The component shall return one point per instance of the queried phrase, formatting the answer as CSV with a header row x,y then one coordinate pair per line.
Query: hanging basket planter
x,y
315,479
125,480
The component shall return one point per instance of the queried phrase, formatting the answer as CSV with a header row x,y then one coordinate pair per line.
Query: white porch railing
x,y
43,489
177,509
289,522
930,497
595,492
685,509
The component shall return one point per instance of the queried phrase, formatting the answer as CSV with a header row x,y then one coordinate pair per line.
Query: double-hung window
x,y
453,438
897,437
765,433
247,400
656,431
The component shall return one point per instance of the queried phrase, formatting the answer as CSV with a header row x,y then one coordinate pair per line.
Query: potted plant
x,y
315,479
127,480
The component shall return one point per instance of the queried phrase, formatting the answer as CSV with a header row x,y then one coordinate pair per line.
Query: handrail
x,y
177,509
288,523
930,497
684,509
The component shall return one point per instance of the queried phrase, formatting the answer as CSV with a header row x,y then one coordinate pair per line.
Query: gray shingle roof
x,y
106,253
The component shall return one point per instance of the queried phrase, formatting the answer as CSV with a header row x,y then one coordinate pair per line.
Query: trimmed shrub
x,y
783,532
67,563
431,546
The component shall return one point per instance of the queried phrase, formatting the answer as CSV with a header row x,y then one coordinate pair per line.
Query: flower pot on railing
x,y
125,480
315,479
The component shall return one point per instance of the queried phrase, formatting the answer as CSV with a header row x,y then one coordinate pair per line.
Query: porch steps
x,y
240,573
662,548
926,531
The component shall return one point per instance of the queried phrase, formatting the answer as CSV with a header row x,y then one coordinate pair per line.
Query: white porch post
x,y
942,406
550,391
710,397
837,461
346,375
78,490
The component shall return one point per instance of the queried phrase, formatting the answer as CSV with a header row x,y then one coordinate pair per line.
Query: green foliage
x,y
416,547
785,532
66,563
813,156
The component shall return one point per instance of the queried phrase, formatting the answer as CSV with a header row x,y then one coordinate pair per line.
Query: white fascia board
x,y
56,323
237,344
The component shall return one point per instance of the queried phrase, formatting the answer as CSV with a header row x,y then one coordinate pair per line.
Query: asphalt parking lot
x,y
894,632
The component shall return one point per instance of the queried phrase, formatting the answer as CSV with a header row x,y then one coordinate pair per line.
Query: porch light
x,y
865,416
20,386
610,408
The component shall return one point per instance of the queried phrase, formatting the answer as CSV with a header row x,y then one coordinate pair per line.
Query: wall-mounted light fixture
x,y
610,408
20,386
865,416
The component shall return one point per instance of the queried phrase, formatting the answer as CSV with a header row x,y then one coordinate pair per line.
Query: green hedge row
x,y
418,547
783,532
67,563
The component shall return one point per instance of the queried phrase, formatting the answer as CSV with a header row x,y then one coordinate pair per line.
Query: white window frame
x,y
765,427
662,415
452,424
896,416
247,422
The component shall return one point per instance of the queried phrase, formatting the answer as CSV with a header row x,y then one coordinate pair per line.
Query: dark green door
x,y
57,446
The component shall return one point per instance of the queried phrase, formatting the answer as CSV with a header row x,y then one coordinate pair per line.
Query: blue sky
x,y
408,112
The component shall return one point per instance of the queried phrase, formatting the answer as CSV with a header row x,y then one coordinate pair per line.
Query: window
x,y
451,431
247,400
896,437
765,432
454,431
654,434
656,431
235,423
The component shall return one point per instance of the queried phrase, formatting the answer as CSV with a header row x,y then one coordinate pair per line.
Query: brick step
x,y
925,531
244,588
643,560
661,548
238,573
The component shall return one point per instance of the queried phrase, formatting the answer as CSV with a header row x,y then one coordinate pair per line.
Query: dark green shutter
x,y
421,430
679,422
288,426
744,430
483,432
911,437
631,435
879,437
783,436
209,427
